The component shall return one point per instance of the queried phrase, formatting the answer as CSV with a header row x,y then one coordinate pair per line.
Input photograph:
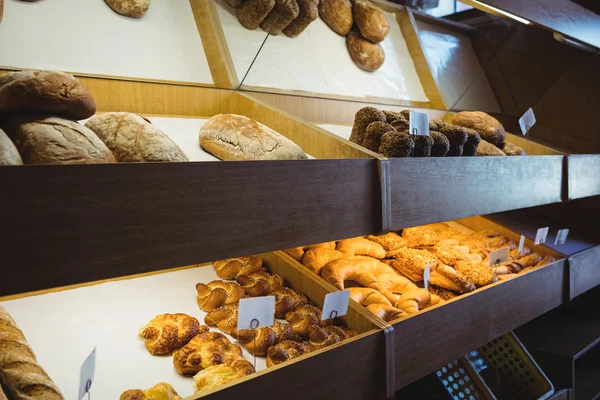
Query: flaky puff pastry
x,y
323,336
361,246
204,350
385,312
162,391
316,259
286,300
218,293
412,263
225,318
340,271
302,318
167,332
259,283
231,268
286,350
221,374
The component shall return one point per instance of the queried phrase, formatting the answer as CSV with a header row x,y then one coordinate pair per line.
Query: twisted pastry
x,y
162,391
361,246
339,271
204,350
256,341
217,294
231,268
302,318
385,312
224,318
286,350
286,300
283,332
167,332
367,296
323,336
316,259
221,374
259,283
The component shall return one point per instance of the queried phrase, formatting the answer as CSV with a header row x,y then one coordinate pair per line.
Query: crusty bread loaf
x,y
21,376
8,152
366,55
233,137
337,14
308,11
252,12
45,92
371,20
284,12
488,127
134,139
129,8
50,140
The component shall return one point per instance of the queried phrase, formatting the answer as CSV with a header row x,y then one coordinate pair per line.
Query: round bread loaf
x,y
129,8
8,152
366,55
337,14
488,127
134,139
45,92
50,140
232,137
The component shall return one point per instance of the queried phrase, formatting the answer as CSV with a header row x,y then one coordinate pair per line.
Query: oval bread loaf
x,y
8,152
134,139
337,14
232,137
129,8
50,140
366,55
372,21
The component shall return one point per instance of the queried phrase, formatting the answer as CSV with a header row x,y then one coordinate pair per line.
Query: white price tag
x,y
527,121
426,276
521,244
256,312
561,236
499,256
335,304
541,235
418,124
86,374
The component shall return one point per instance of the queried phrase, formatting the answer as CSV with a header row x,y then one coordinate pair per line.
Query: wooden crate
x,y
353,369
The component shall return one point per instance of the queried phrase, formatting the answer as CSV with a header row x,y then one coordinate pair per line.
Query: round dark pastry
x,y
436,124
396,144
400,124
423,146
457,138
373,134
406,114
472,143
391,115
441,145
362,119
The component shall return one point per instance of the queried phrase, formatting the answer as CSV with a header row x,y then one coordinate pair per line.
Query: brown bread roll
x,y
45,92
396,144
401,124
134,139
253,12
362,119
488,127
373,134
233,137
513,150
50,140
391,115
337,14
472,143
457,138
487,149
308,12
423,146
9,155
284,12
366,55
372,21
234,3
129,8
441,145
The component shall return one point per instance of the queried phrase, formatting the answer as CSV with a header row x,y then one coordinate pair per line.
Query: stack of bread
x,y
471,133
385,273
39,112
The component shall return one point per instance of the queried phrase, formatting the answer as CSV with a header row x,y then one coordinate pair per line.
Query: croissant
x,y
323,336
361,246
412,263
339,271
388,279
224,318
302,318
232,267
286,350
413,301
367,296
286,300
296,252
217,294
218,375
316,259
259,283
385,312
256,341
162,391
448,278
204,350
167,332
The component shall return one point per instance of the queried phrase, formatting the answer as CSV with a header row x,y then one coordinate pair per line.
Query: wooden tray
x,y
583,176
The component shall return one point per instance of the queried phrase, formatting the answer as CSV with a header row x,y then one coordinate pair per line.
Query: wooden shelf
x,y
583,178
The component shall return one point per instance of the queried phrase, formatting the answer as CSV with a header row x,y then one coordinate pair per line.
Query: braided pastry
x,y
302,318
259,283
217,294
224,318
339,271
162,391
218,375
323,336
286,350
366,296
283,332
20,374
167,332
385,312
231,268
316,259
361,246
204,350
256,341
286,300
